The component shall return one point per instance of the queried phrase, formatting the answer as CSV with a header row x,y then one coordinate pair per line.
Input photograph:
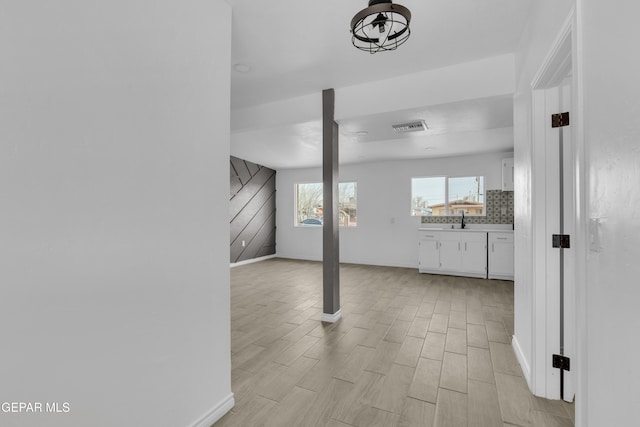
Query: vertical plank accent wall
x,y
252,210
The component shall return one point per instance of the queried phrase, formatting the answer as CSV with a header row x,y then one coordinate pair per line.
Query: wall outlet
x,y
503,210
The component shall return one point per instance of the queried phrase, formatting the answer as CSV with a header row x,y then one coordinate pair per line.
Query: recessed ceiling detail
x,y
468,127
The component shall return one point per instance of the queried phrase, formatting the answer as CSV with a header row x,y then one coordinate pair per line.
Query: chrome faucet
x,y
462,222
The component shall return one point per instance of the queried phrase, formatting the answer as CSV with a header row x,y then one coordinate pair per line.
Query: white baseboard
x,y
350,261
526,370
331,318
379,263
299,257
251,261
217,412
500,277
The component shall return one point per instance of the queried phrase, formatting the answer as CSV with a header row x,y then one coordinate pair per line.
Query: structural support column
x,y
330,232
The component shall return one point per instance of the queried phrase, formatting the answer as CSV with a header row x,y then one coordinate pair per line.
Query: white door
x,y
555,288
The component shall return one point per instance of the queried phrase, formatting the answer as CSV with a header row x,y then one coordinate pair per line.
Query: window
x,y
309,204
441,196
426,195
466,194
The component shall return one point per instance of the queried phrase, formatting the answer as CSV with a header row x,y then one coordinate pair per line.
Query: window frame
x,y
296,224
447,206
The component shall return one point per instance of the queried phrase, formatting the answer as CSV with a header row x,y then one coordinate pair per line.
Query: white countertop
x,y
482,228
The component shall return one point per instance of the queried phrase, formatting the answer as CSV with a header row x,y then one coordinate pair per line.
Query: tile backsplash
x,y
496,200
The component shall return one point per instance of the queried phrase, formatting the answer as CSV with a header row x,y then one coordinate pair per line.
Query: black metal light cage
x,y
380,13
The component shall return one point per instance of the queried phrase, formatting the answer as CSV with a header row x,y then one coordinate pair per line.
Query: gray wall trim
x,y
252,210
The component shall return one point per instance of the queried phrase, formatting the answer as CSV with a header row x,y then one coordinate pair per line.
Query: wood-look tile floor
x,y
411,350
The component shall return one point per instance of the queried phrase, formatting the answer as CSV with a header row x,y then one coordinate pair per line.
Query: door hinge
x,y
561,241
559,120
561,362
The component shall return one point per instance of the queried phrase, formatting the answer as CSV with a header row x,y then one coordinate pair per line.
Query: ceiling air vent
x,y
417,126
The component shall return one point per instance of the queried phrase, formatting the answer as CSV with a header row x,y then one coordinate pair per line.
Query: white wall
x,y
114,156
386,233
612,137
546,19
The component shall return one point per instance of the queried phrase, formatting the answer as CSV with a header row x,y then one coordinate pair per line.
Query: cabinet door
x,y
474,254
450,252
501,256
507,175
428,254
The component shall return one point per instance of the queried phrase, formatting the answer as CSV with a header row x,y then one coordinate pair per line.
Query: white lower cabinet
x,y
474,254
450,252
428,251
458,253
500,255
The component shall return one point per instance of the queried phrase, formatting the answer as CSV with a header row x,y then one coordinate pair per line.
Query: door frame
x,y
546,92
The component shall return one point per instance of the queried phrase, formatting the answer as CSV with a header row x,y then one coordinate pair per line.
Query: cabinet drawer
x,y
501,237
428,235
472,236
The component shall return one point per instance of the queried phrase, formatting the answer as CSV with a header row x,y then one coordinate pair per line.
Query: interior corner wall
x,y
114,151
386,233
611,127
252,210
546,20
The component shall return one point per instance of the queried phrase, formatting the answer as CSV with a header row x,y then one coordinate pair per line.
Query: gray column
x,y
330,233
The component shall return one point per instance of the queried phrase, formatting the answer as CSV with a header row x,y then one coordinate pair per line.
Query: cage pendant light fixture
x,y
381,26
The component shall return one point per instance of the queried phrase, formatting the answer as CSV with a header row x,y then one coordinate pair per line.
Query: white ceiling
x,y
299,47
469,127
